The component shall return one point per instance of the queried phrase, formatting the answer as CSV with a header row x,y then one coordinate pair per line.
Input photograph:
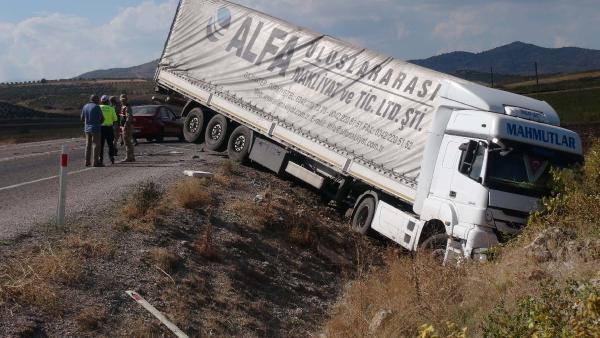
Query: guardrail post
x,y
62,192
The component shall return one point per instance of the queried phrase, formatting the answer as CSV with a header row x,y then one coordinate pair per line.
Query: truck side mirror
x,y
469,150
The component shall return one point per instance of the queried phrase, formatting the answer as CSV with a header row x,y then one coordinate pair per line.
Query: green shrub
x,y
574,202
570,312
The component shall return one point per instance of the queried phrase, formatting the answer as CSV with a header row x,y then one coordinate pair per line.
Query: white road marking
x,y
20,157
71,173
42,180
39,144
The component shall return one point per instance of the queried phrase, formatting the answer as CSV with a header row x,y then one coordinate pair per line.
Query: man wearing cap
x,y
107,131
117,106
91,115
127,128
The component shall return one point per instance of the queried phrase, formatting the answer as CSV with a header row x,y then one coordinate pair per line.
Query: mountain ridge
x,y
514,59
517,58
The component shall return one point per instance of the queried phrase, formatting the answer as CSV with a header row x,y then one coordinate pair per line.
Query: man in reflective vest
x,y
107,132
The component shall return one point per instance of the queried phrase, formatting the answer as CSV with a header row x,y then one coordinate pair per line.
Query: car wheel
x,y
159,138
216,133
193,127
149,139
363,215
239,144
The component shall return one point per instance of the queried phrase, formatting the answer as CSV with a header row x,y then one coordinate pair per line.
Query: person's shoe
x,y
88,165
99,165
112,160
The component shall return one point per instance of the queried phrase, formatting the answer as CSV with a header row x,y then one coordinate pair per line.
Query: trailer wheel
x,y
216,133
239,144
193,127
363,216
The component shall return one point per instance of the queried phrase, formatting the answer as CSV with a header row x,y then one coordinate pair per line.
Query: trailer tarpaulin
x,y
370,107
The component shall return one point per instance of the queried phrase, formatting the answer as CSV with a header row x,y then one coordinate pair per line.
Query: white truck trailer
x,y
423,158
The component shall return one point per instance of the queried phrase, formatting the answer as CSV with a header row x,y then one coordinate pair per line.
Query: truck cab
x,y
492,168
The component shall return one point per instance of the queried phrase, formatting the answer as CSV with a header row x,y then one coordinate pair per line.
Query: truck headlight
x,y
479,255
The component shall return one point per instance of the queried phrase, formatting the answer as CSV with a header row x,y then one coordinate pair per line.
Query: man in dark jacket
x,y
91,115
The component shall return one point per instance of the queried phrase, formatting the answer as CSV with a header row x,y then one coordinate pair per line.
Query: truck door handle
x,y
452,194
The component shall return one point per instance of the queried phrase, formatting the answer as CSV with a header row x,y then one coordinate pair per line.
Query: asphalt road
x,y
29,179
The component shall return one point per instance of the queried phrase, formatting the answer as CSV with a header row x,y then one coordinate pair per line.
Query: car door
x,y
177,124
167,120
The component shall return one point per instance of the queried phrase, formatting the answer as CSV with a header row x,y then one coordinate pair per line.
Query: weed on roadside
x,y
164,259
36,276
91,318
225,175
192,193
142,199
204,245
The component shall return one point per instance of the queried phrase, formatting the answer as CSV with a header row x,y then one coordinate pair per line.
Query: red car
x,y
156,122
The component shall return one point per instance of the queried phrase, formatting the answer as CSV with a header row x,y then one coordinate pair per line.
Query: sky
x,y
55,39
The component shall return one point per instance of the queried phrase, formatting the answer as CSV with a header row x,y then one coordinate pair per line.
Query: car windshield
x,y
144,111
525,169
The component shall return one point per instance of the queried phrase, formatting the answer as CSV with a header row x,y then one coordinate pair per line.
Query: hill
x,y
145,71
517,58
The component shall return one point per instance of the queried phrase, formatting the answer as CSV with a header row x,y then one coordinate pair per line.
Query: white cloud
x,y
60,46
56,45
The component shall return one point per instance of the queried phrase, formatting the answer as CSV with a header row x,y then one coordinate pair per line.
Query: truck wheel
x,y
193,126
436,244
216,133
363,216
239,144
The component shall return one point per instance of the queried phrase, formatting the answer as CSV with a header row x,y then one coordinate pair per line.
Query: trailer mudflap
x,y
397,225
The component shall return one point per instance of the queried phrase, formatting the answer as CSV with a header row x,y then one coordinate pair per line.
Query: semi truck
x,y
428,160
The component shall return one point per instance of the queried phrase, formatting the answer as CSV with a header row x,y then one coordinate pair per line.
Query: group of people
x,y
107,122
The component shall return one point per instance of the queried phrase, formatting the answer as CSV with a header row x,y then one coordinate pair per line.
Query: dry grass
x,y
143,198
164,259
556,79
88,247
192,193
204,245
142,328
91,318
143,209
275,213
224,176
257,214
35,278
301,227
561,246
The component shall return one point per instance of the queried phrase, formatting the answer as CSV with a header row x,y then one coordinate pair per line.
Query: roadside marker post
x,y
144,303
62,192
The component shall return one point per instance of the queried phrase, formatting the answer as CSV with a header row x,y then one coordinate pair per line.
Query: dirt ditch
x,y
243,254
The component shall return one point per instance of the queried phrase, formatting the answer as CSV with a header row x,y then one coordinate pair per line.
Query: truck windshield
x,y
525,169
